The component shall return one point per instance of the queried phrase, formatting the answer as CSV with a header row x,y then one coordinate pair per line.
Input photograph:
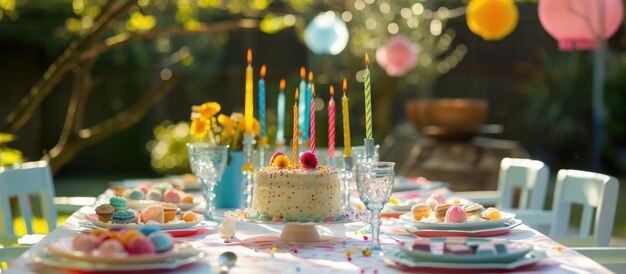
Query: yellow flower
x,y
281,161
228,124
206,110
256,127
199,127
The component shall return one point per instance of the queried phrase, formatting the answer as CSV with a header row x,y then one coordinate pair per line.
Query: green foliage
x,y
9,156
559,97
168,151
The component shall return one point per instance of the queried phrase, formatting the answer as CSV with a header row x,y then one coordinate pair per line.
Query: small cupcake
x,y
137,194
162,242
169,212
472,209
171,196
440,211
153,213
119,203
123,217
104,212
420,211
118,190
154,195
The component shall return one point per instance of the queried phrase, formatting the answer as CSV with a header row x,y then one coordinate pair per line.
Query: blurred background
x,y
103,89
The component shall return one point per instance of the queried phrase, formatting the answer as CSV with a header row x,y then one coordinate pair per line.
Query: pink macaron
x,y
111,248
85,242
171,196
140,245
455,215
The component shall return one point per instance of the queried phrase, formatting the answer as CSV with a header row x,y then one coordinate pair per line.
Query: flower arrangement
x,y
208,125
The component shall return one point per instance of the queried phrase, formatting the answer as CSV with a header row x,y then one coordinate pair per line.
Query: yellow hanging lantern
x,y
492,19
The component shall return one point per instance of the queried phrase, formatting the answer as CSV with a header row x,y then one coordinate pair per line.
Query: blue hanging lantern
x,y
326,34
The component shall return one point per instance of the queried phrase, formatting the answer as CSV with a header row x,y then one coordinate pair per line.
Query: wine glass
x,y
375,181
207,162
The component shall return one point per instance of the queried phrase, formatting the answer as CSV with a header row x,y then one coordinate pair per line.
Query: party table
x,y
340,250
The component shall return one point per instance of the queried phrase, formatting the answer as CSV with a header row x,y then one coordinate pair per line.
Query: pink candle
x,y
331,124
312,127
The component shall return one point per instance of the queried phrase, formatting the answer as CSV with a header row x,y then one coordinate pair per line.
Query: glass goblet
x,y
375,182
208,162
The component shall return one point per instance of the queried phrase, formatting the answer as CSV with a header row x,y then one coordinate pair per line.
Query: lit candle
x,y
312,124
368,99
249,103
262,100
280,132
301,102
307,112
331,124
346,122
294,146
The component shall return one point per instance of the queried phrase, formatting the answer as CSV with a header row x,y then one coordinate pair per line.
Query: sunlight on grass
x,y
39,225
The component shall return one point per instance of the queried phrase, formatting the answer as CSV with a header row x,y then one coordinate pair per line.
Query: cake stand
x,y
306,231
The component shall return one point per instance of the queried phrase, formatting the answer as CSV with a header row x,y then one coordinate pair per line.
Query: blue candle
x,y
280,132
302,103
262,101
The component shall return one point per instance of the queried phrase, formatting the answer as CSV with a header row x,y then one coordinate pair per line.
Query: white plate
x,y
398,256
45,258
515,251
506,216
139,205
63,249
94,221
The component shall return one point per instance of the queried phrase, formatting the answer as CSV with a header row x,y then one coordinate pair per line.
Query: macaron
x,y
85,242
455,215
187,199
162,242
162,187
153,213
491,213
420,211
118,190
149,229
137,194
154,195
123,217
118,203
104,212
111,247
144,187
171,196
440,211
129,235
472,209
140,245
190,216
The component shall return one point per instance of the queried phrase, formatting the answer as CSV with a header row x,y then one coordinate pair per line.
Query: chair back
x,y
530,176
596,193
22,182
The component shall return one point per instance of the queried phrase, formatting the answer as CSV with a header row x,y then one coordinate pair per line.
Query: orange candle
x,y
294,146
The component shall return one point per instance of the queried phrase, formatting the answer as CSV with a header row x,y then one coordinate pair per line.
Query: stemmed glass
x,y
375,181
207,162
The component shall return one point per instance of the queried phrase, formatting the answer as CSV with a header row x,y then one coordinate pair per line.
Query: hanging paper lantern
x,y
326,34
492,19
579,24
398,56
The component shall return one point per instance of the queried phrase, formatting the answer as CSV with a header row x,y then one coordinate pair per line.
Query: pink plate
x,y
188,232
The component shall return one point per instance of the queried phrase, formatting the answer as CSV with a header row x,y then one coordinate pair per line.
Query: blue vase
x,y
229,190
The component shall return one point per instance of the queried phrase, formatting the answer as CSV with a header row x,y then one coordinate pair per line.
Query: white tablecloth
x,y
255,243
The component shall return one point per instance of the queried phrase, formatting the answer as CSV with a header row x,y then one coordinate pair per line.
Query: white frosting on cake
x,y
297,193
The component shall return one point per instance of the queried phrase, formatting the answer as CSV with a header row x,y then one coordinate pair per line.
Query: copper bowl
x,y
447,119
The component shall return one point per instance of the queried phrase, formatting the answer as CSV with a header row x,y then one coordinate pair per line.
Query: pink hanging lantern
x,y
397,56
580,24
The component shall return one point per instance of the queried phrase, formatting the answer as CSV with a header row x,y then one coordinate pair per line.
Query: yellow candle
x,y
294,146
249,106
346,122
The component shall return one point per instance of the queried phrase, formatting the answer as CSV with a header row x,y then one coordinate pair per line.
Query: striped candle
x,y
312,125
294,146
331,124
368,99
262,101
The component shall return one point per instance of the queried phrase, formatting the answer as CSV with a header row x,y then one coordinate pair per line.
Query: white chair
x,y
28,179
595,192
530,176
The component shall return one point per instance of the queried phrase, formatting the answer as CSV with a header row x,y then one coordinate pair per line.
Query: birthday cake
x,y
301,192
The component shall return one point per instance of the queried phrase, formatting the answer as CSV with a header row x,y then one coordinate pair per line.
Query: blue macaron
x,y
162,242
118,203
123,217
